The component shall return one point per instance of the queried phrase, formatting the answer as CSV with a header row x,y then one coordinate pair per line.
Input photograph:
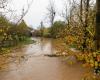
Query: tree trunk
x,y
97,32
81,10
86,25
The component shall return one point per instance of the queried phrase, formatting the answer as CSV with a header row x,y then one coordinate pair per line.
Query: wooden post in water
x,y
42,29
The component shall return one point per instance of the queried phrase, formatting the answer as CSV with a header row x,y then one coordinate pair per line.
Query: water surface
x,y
29,63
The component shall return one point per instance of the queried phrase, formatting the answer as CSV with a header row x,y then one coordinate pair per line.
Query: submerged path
x,y
33,65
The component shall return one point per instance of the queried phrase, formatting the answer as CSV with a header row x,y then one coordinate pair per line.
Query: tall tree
x,y
97,33
81,10
51,12
86,23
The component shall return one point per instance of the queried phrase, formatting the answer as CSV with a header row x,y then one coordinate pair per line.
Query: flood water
x,y
29,63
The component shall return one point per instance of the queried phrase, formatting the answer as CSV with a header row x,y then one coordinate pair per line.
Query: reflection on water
x,y
43,46
29,64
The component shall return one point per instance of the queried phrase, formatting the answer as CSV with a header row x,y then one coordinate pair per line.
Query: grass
x,y
20,44
27,41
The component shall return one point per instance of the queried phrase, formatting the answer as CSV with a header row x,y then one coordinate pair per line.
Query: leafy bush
x,y
11,34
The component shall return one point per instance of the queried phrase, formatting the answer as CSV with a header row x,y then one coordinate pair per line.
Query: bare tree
x,y
64,13
81,10
4,10
24,12
3,3
51,11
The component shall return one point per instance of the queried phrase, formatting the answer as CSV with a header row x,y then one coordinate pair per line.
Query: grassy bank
x,y
19,44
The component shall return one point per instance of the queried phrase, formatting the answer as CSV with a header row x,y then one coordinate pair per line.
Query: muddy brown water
x,y
29,63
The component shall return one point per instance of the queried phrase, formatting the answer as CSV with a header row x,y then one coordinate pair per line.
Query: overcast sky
x,y
38,10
